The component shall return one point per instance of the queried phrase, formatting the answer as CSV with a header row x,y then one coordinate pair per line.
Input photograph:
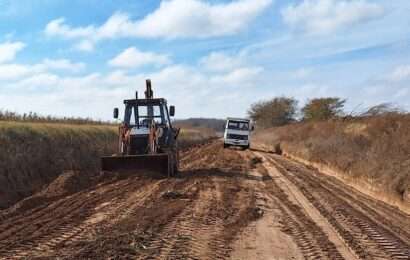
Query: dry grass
x,y
34,154
373,149
194,136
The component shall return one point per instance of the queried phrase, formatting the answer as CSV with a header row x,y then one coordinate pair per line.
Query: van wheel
x,y
226,145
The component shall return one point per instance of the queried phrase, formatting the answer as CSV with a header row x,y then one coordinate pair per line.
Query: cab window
x,y
237,125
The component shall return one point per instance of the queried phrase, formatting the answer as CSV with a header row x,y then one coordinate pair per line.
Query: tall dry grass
x,y
375,150
34,154
194,136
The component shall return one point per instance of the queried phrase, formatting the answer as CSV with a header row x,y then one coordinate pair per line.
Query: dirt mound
x,y
66,184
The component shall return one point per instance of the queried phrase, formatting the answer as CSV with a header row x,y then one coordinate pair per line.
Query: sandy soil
x,y
227,204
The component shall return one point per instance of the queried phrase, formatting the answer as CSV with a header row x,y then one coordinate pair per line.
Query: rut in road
x,y
205,229
309,237
366,232
58,223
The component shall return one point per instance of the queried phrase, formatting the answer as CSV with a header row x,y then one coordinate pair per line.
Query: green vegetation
x,y
280,111
320,109
276,112
34,117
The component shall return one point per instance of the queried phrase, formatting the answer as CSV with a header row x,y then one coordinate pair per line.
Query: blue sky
x,y
209,58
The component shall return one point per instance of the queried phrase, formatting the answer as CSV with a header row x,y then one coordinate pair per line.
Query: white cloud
x,y
218,61
13,71
58,27
194,18
188,87
239,77
8,50
132,58
36,82
327,16
400,73
85,46
63,64
172,19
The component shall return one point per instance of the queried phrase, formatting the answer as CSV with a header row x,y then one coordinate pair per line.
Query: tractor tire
x,y
174,157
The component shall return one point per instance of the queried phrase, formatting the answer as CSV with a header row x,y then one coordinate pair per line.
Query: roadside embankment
x,y
32,155
371,154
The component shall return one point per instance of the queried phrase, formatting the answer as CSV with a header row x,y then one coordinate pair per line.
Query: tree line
x,y
280,111
34,117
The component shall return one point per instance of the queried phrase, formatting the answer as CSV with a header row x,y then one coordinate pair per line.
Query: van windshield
x,y
238,125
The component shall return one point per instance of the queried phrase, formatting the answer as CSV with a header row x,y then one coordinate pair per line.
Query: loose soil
x,y
226,204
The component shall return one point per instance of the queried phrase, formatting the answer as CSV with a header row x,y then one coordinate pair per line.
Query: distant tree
x,y
323,108
34,117
275,112
383,109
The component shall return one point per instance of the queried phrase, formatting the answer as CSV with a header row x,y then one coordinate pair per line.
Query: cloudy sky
x,y
210,58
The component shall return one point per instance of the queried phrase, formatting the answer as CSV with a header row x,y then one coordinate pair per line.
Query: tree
x,y
323,108
383,109
275,112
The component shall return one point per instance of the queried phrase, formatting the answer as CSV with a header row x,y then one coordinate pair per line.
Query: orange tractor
x,y
147,139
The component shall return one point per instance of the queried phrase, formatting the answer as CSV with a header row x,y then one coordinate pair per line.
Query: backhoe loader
x,y
147,139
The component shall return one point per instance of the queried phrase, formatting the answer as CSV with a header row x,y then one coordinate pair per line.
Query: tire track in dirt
x,y
109,216
390,218
18,224
309,236
67,225
365,236
181,238
263,238
204,229
195,216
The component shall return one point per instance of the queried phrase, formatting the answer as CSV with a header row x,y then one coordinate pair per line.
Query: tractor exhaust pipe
x,y
148,93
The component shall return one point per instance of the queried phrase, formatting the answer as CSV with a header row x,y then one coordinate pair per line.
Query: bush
x,y
323,108
276,112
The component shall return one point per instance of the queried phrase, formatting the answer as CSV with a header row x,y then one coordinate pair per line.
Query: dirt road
x,y
227,204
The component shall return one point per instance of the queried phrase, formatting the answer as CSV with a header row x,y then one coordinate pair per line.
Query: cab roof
x,y
238,119
146,102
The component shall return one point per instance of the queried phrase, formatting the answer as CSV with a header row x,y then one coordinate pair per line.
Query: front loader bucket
x,y
158,163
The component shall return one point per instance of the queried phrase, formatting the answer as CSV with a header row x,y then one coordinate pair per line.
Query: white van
x,y
237,133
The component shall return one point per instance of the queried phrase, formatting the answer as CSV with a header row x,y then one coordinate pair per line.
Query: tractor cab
x,y
147,126
147,139
140,113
